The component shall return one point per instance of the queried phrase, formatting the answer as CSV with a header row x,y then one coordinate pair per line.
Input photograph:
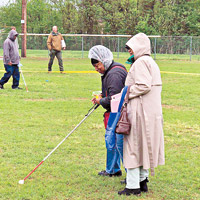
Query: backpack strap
x,y
122,98
120,67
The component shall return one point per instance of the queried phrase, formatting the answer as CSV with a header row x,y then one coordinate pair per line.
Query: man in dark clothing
x,y
113,79
11,60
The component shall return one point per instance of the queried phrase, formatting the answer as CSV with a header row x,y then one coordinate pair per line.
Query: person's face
x,y
130,51
99,67
55,29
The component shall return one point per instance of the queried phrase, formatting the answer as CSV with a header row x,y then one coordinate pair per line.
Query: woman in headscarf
x,y
113,77
144,146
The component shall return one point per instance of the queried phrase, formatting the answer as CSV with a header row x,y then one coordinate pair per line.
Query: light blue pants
x,y
114,156
135,176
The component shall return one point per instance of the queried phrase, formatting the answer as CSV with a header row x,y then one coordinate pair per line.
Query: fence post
x,y
82,47
191,48
118,47
155,49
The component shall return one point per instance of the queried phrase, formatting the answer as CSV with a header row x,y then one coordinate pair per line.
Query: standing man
x,y
11,60
55,43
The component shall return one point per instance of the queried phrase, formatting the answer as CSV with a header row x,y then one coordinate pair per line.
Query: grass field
x,y
33,123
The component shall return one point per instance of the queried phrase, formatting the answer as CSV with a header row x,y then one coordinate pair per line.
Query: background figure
x,y
11,60
55,43
113,79
144,146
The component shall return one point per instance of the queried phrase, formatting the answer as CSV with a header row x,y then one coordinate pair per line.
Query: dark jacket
x,y
10,49
112,83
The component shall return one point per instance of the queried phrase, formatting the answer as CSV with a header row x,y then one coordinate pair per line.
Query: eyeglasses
x,y
96,65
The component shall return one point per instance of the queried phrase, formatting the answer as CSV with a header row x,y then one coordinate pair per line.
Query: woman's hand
x,y
96,100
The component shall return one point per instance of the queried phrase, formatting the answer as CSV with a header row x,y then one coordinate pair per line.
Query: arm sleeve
x,y
114,86
143,80
49,41
6,54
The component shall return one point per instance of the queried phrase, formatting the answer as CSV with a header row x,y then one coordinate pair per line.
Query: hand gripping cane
x,y
86,116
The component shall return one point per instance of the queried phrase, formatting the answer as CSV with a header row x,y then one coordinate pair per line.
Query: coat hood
x,y
12,35
102,54
140,44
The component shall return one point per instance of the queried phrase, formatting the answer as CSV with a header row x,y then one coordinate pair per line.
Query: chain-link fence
x,y
163,47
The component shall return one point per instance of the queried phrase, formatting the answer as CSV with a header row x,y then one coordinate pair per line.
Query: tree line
x,y
153,17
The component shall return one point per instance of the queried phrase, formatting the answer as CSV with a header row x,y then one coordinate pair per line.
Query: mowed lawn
x,y
33,123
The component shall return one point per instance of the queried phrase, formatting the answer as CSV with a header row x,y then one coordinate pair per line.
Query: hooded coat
x,y
10,49
144,146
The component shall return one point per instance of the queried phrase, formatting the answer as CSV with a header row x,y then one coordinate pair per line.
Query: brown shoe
x,y
49,72
62,72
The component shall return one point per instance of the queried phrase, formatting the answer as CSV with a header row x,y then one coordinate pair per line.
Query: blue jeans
x,y
114,156
11,71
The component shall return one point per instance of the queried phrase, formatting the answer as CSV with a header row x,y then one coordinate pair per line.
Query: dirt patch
x,y
81,98
38,99
172,107
39,58
76,99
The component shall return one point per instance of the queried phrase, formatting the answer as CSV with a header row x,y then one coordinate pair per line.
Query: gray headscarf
x,y
102,54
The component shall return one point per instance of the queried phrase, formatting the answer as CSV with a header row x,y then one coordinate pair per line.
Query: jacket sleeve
x,y
114,86
49,41
6,53
142,78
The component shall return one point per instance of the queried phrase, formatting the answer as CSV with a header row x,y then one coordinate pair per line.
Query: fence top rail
x,y
105,35
87,35
102,35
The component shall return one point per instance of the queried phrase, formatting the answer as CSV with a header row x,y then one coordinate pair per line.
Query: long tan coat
x,y
144,146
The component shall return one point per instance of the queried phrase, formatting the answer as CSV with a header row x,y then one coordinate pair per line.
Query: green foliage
x,y
166,17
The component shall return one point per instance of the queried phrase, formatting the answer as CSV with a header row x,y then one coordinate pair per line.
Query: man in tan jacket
x,y
55,43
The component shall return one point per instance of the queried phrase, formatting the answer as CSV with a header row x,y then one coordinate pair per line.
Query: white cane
x,y
22,76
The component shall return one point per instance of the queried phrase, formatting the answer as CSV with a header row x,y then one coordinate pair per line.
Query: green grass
x,y
33,123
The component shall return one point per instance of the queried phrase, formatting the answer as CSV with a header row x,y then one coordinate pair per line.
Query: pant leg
x,y
144,173
7,75
112,161
60,62
52,56
16,76
119,145
113,156
133,178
